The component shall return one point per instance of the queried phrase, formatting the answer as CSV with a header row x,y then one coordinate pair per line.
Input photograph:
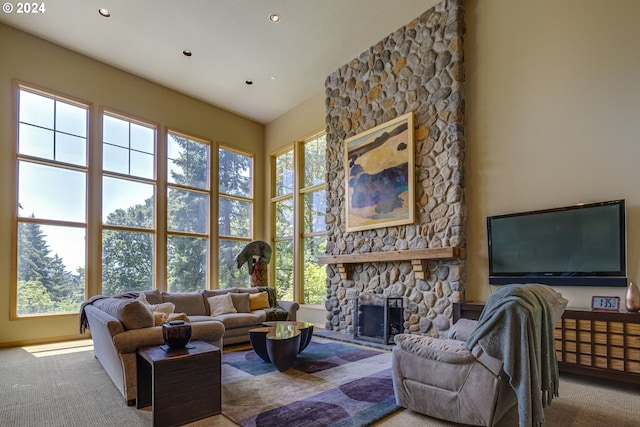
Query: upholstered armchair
x,y
456,379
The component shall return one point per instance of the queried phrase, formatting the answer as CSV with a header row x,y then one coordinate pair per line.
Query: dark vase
x,y
176,334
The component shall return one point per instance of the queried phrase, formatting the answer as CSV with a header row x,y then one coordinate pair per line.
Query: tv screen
x,y
582,245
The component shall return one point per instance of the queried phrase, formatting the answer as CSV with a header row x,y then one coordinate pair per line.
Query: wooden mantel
x,y
418,258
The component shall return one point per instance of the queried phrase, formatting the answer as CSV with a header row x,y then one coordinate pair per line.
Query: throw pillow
x,y
162,318
272,295
241,302
258,301
153,296
192,303
132,313
165,307
221,304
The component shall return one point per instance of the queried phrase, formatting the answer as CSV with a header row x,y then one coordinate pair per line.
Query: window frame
x,y
250,200
302,192
297,196
94,174
166,233
16,219
155,181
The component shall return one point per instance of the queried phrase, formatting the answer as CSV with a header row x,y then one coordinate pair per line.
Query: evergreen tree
x,y
127,257
44,284
59,281
188,211
233,215
32,252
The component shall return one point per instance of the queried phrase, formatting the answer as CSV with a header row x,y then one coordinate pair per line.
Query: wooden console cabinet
x,y
596,343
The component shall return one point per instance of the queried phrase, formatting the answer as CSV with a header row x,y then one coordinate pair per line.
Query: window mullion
x,y
298,252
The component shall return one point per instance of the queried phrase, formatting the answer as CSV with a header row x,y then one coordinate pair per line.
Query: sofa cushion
x,y
153,296
196,319
213,292
221,304
165,307
245,290
241,302
192,303
132,313
239,320
258,301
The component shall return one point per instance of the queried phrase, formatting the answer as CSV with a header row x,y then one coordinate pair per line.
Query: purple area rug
x,y
329,384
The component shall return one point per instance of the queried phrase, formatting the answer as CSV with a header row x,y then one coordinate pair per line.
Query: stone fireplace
x,y
419,68
377,318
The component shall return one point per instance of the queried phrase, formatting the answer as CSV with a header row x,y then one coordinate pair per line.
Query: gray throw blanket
x,y
516,326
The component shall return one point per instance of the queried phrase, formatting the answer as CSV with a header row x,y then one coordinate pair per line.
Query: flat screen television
x,y
581,245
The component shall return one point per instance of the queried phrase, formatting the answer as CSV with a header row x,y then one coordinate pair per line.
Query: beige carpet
x,y
583,402
63,385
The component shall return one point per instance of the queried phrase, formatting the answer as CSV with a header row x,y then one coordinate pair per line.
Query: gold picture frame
x,y
379,176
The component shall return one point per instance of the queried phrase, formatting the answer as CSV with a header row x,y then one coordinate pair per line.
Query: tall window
x,y
283,214
313,199
235,210
141,198
188,213
52,203
298,209
128,204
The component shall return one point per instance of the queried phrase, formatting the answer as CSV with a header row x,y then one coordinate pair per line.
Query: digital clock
x,y
605,303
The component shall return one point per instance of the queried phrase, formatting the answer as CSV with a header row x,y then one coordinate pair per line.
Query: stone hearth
x,y
419,68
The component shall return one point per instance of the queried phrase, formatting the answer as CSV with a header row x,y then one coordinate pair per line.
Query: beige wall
x,y
552,105
302,121
38,62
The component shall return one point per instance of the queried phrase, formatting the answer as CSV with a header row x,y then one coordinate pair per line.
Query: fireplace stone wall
x,y
419,68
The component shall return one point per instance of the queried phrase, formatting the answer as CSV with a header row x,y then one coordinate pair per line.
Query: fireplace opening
x,y
377,318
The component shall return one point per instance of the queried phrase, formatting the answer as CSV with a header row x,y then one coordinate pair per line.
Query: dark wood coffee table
x,y
181,385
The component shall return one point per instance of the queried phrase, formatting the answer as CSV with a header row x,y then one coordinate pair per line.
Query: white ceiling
x,y
231,40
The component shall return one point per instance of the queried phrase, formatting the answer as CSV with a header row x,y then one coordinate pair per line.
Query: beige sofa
x,y
120,325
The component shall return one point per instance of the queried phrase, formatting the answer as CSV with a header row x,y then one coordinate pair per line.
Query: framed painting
x,y
379,176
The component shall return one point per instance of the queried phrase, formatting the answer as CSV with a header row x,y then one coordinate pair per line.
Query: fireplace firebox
x,y
377,318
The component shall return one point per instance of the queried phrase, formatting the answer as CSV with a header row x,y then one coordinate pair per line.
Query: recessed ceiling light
x,y
104,12
273,77
248,82
187,52
274,17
